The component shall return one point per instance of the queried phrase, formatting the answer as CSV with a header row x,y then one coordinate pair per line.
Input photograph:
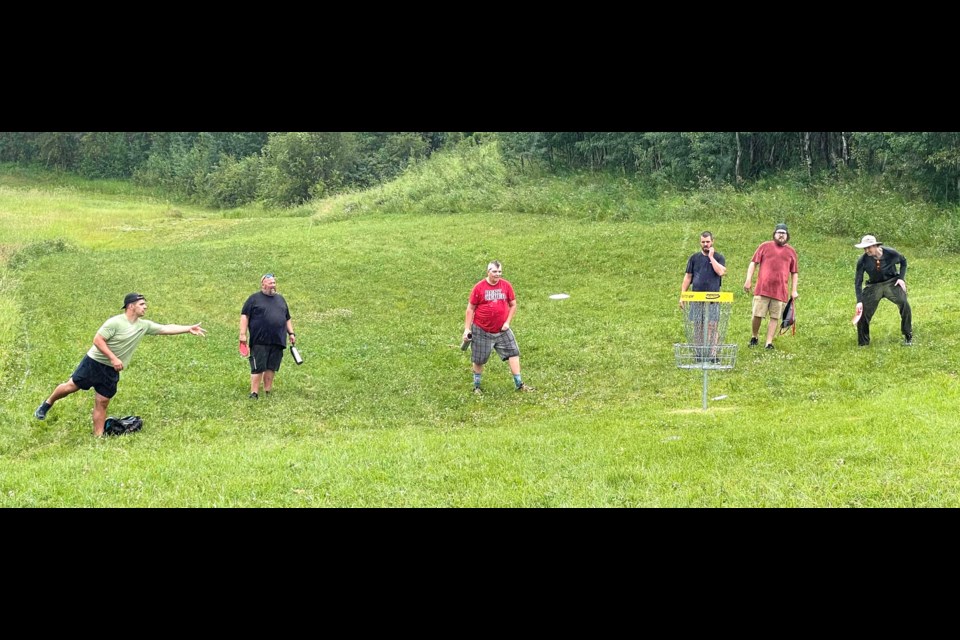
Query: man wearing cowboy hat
x,y
880,263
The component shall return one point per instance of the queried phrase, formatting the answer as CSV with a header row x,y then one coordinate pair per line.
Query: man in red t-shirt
x,y
486,325
777,261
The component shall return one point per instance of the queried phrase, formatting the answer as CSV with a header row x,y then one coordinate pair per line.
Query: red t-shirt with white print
x,y
493,304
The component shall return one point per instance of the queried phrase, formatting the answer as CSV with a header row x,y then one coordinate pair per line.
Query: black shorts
x,y
265,356
102,377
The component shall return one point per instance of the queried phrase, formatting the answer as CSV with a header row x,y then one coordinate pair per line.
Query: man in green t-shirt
x,y
112,349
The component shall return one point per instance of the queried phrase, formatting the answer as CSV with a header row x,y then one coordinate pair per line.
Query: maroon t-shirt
x,y
776,265
493,304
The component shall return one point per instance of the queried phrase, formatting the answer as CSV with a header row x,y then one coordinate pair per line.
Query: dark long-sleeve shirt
x,y
887,271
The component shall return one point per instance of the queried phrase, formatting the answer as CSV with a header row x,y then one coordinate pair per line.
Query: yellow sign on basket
x,y
706,296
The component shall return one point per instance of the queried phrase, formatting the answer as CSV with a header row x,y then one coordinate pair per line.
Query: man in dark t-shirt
x,y
267,317
880,264
705,270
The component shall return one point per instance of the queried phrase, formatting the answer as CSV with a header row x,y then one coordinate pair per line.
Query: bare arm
x,y
718,268
468,319
796,276
293,336
513,310
101,344
244,322
749,280
175,329
687,279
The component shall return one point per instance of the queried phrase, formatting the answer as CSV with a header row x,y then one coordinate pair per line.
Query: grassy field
x,y
380,413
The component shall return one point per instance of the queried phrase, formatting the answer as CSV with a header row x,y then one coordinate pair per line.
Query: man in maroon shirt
x,y
777,260
487,325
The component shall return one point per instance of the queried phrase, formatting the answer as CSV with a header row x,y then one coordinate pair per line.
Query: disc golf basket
x,y
705,323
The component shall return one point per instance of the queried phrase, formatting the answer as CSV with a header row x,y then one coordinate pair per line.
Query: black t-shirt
x,y
887,271
267,317
704,277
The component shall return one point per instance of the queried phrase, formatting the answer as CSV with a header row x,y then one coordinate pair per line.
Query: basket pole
x,y
704,388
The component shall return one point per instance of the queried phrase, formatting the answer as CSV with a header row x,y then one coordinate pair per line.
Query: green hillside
x,y
380,413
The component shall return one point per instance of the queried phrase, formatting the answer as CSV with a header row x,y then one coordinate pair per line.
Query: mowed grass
x,y
380,413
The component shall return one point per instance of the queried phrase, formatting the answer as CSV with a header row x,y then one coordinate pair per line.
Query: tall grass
x,y
474,179
32,177
380,413
11,321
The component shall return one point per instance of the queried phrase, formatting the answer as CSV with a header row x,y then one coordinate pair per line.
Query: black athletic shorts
x,y
102,377
265,356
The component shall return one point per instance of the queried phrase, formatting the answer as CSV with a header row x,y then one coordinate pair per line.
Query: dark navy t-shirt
x,y
267,317
704,277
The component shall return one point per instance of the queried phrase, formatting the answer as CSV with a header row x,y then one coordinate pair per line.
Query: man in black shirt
x,y
267,316
880,263
705,270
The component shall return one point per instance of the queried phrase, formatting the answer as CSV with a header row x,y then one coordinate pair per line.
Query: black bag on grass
x,y
120,426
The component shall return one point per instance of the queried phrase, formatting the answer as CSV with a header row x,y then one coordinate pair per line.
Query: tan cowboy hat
x,y
867,241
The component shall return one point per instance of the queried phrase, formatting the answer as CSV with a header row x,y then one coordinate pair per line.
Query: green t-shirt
x,y
122,338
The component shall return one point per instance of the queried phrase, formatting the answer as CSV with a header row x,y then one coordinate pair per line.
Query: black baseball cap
x,y
132,297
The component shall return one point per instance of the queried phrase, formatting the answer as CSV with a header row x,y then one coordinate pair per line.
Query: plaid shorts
x,y
484,343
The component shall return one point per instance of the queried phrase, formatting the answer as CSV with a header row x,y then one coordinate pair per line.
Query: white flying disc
x,y
559,296
856,316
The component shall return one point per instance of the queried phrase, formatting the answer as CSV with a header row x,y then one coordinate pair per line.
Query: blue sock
x,y
517,381
476,380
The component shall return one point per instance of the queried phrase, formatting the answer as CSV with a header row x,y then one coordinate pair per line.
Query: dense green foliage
x,y
476,178
229,169
925,162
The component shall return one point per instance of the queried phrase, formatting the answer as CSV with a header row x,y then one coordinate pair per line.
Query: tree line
x,y
227,169
927,163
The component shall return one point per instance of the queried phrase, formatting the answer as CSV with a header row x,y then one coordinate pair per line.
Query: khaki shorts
x,y
762,305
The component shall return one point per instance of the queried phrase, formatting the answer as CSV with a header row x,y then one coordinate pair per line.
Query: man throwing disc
x,y
113,347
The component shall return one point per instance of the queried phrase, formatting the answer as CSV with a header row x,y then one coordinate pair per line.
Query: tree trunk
x,y
736,170
806,153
